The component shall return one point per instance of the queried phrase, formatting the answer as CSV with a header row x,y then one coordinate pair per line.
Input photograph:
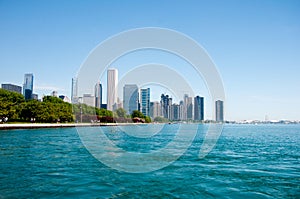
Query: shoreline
x,y
74,125
56,125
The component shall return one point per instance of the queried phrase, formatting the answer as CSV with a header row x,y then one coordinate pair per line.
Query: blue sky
x,y
255,44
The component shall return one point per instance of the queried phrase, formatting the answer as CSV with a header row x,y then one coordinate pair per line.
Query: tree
x,y
147,119
52,99
161,119
103,112
140,115
121,112
10,103
137,113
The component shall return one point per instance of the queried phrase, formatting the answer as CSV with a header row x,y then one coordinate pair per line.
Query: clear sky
x,y
255,44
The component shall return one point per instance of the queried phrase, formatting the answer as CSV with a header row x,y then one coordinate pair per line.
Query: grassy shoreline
x,y
55,125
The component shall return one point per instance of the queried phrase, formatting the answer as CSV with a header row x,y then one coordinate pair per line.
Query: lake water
x,y
249,161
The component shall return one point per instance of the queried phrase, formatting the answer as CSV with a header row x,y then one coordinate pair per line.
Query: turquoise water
x,y
248,161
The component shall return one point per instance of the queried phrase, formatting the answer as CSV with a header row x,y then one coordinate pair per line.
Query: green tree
x,y
137,113
147,119
10,104
103,112
120,112
160,119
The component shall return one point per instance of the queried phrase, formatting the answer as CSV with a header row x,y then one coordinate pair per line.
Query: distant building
x,y
98,95
112,81
175,112
104,106
34,96
155,109
118,104
28,86
219,111
130,98
199,108
12,87
181,113
88,99
28,94
188,107
74,91
54,94
145,101
65,98
165,102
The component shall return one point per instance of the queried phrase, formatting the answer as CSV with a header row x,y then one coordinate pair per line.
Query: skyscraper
x,y
155,109
88,99
188,107
130,98
74,91
98,95
175,112
198,108
219,111
112,80
28,86
12,87
165,103
145,101
181,112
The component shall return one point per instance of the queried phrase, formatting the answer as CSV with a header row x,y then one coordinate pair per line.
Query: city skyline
x,y
255,46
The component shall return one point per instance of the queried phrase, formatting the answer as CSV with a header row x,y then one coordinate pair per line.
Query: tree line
x,y
15,108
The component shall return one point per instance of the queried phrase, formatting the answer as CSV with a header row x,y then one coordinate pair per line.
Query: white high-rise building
x,y
112,81
74,91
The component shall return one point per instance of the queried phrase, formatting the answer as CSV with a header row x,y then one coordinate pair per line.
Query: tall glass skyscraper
x,y
199,108
219,111
145,101
130,98
28,86
98,95
112,81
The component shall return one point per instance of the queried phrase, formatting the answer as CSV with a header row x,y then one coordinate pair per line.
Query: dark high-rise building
x,y
98,95
219,111
28,94
165,103
198,108
175,112
12,87
145,101
130,98
28,86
